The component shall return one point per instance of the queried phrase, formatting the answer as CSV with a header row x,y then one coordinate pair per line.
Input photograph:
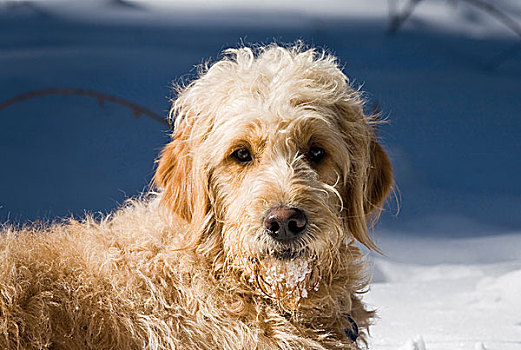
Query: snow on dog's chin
x,y
287,282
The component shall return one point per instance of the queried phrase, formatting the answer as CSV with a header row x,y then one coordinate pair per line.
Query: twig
x,y
397,18
101,97
495,12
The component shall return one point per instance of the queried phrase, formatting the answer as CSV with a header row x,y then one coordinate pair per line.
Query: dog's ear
x,y
369,173
379,179
183,187
366,192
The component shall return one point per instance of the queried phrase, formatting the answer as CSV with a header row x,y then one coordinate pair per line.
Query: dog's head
x,y
275,164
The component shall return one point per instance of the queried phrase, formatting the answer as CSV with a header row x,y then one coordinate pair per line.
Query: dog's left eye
x,y
242,155
316,154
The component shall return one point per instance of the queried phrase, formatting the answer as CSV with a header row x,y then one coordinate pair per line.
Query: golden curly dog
x,y
273,176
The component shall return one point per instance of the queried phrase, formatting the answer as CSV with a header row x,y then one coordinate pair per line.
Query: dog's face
x,y
276,153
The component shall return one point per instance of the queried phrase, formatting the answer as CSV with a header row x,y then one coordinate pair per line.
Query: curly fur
x,y
181,268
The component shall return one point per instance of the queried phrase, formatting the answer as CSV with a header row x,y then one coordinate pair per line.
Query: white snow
x,y
290,280
290,274
473,302
414,344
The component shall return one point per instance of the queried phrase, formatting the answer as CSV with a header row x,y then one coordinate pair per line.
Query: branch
x,y
101,97
495,12
398,18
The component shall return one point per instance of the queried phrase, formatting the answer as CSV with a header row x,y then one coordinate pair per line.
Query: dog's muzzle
x,y
285,224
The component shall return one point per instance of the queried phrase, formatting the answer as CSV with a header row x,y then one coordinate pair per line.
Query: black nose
x,y
285,224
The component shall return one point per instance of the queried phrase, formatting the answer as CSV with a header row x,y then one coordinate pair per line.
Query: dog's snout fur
x,y
285,224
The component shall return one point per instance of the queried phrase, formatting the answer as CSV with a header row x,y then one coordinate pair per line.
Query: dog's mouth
x,y
288,254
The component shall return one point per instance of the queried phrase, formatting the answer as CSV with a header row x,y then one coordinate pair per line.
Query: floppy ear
x,y
366,193
379,180
183,186
369,175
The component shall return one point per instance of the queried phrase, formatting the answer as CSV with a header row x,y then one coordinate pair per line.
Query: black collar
x,y
352,332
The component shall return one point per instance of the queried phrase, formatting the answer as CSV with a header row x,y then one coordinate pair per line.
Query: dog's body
x,y
271,178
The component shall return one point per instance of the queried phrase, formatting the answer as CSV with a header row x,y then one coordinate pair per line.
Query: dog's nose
x,y
285,224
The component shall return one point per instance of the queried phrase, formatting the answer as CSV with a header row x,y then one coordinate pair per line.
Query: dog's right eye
x,y
316,154
242,155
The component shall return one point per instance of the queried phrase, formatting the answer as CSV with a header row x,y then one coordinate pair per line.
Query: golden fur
x,y
191,267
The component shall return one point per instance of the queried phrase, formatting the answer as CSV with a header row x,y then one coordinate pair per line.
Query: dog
x,y
249,238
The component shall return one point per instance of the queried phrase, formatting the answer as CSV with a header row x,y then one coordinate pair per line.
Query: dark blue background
x,y
453,131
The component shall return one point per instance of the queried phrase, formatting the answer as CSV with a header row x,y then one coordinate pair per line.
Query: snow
x,y
287,281
289,274
448,82
414,344
469,297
